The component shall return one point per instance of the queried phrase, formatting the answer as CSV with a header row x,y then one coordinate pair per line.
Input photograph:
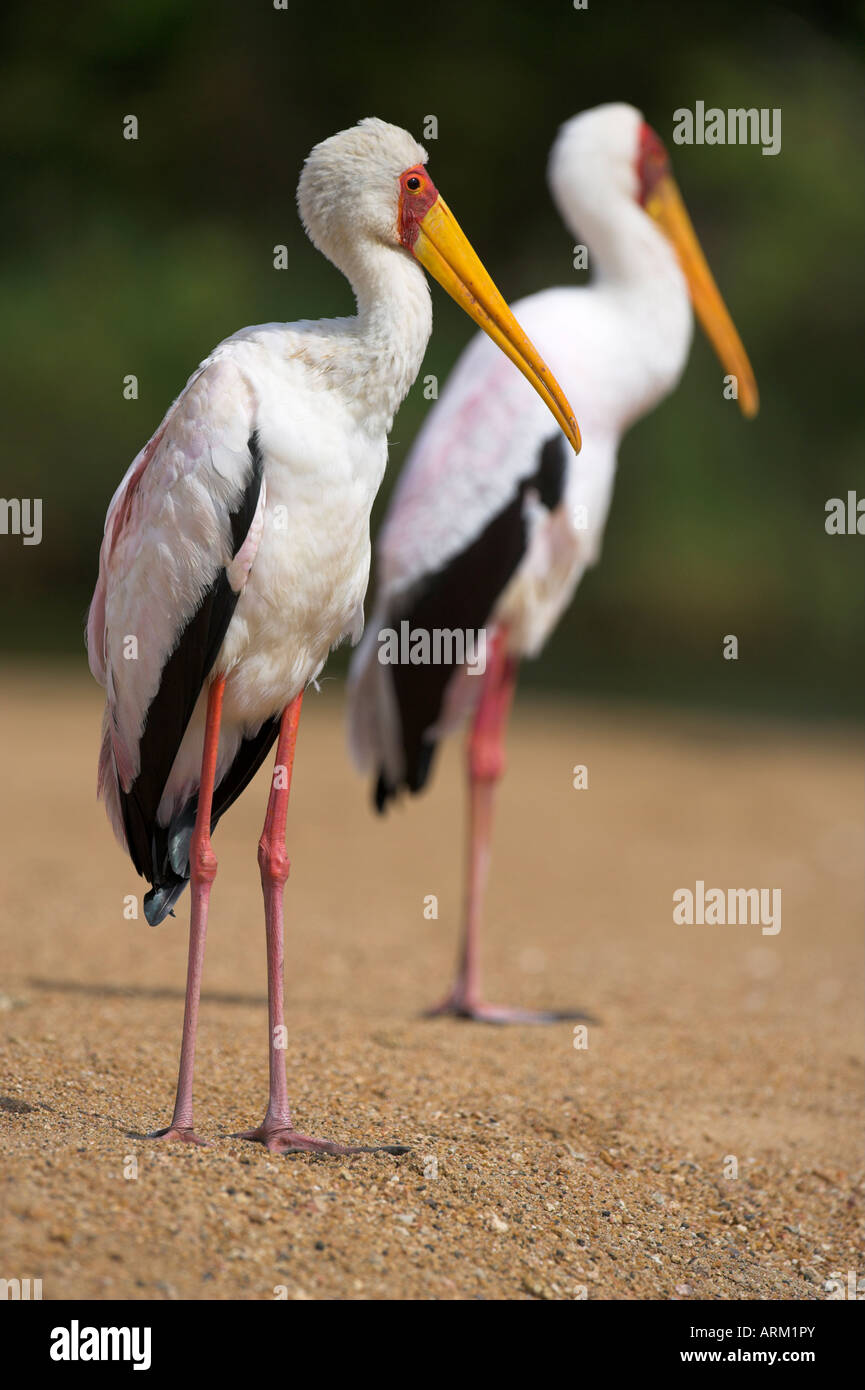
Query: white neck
x,y
635,266
382,347
625,245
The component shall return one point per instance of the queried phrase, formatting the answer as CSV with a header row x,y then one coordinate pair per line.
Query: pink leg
x,y
277,1131
486,763
202,863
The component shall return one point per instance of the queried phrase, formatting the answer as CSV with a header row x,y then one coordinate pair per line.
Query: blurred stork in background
x,y
494,520
236,549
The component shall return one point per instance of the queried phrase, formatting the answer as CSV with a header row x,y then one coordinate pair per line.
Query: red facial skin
x,y
652,163
414,203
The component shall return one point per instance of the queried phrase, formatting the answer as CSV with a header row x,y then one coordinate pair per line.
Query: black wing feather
x,y
462,595
183,678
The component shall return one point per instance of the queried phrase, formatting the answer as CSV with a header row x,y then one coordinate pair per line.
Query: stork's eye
x,y
413,183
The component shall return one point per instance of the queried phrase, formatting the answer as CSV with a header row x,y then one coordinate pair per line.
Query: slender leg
x,y
202,863
486,763
277,1131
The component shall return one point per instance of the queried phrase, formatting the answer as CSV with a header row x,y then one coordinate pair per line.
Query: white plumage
x,y
321,398
619,343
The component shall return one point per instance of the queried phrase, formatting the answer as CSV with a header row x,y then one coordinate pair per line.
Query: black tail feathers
x,y
415,777
170,859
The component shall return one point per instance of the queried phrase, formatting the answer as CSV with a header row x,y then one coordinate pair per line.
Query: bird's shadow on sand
x,y
142,992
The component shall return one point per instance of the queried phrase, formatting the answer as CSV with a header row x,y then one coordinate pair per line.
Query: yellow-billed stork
x,y
494,520
236,549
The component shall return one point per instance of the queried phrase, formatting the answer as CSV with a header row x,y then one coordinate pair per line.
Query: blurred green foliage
x,y
138,257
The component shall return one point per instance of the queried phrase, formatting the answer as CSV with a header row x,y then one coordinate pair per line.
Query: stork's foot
x,y
457,1006
185,1133
282,1139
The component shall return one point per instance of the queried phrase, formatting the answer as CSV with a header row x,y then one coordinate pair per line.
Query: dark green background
x,y
138,257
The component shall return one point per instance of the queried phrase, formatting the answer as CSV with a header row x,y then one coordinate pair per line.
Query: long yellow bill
x,y
446,252
665,205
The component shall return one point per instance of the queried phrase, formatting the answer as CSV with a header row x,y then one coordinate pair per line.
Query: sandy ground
x,y
538,1170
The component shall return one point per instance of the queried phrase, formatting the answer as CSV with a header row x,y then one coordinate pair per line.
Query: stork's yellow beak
x,y
665,205
446,252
